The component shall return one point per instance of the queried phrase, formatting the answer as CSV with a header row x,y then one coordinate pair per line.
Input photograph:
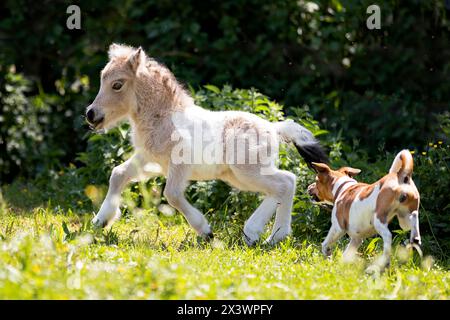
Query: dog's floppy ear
x,y
320,167
351,172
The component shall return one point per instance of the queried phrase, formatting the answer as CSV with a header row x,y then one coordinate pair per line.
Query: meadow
x,y
51,253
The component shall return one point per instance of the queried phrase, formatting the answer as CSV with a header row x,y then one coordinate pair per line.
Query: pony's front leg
x,y
134,169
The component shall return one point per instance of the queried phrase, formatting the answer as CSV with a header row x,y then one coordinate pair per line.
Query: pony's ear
x,y
320,167
351,172
135,59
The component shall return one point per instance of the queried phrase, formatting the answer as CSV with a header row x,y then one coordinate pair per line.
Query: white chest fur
x,y
362,213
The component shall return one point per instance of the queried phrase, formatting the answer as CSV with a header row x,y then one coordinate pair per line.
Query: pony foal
x,y
169,133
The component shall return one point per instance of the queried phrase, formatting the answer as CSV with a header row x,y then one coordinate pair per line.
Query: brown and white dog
x,y
362,210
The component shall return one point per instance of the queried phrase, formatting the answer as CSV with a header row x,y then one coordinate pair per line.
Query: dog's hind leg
x,y
134,169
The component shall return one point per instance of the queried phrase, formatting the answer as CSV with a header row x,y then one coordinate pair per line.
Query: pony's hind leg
x,y
286,182
257,221
279,187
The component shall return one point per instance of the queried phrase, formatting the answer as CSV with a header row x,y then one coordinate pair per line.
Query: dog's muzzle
x,y
312,191
416,240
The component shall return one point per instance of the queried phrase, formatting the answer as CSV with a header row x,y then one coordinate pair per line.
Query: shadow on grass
x,y
22,196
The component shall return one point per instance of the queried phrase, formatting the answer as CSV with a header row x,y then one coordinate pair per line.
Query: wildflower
x,y
35,268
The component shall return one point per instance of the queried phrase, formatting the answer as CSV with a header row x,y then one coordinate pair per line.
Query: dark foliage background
x,y
374,91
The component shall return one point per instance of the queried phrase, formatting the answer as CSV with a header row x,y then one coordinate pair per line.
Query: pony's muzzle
x,y
92,118
90,115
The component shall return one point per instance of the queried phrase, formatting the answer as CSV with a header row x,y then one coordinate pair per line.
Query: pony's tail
x,y
308,147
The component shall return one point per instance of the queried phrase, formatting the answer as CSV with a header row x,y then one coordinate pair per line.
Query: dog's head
x,y
322,189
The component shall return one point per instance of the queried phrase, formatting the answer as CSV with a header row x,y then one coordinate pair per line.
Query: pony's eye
x,y
117,85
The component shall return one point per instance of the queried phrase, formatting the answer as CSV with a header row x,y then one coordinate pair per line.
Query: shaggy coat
x,y
165,120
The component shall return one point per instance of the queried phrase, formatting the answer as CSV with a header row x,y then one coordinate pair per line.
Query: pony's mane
x,y
157,70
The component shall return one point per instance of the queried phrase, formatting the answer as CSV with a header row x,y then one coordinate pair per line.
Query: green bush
x,y
38,130
27,143
322,57
432,177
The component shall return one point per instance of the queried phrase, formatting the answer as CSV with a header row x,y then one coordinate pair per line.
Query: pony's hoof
x,y
209,237
248,241
97,223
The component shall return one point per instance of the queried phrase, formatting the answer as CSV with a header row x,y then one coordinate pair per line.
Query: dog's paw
x,y
270,241
273,240
373,270
326,251
379,266
350,258
205,231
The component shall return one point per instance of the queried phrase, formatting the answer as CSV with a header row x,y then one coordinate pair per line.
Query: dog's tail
x,y
308,147
403,166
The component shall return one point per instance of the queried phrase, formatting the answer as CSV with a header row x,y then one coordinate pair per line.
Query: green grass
x,y
48,253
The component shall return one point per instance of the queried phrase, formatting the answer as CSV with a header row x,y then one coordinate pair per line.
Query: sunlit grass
x,y
148,256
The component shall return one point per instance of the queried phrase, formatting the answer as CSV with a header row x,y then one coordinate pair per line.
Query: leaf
x,y
212,88
320,132
372,245
95,137
65,228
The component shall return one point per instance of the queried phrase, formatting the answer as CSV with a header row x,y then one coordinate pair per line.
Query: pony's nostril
x,y
90,115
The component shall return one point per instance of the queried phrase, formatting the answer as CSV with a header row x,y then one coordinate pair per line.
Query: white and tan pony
x,y
175,138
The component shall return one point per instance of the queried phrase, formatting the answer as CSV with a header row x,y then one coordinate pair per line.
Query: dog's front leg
x,y
334,234
383,231
134,169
